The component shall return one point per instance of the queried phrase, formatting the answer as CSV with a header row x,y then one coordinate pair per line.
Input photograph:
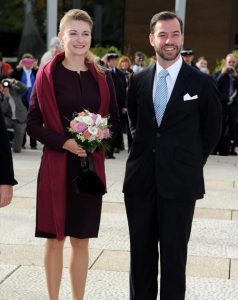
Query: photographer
x,y
227,81
14,111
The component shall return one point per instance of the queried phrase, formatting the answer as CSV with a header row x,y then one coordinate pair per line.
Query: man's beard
x,y
166,57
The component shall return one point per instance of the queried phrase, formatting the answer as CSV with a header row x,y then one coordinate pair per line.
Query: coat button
x,y
158,134
153,150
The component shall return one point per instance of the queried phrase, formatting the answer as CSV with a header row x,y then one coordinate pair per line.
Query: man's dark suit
x,y
6,166
164,176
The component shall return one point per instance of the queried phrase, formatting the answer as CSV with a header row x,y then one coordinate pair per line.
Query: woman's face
x,y
76,38
124,65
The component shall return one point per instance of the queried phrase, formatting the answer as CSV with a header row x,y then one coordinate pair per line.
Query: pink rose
x,y
82,113
80,127
72,124
86,134
100,134
106,133
94,118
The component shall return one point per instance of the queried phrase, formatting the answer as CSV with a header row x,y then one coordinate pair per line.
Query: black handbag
x,y
88,182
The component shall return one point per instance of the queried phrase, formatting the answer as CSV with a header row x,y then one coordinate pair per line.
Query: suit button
x,y
158,134
153,150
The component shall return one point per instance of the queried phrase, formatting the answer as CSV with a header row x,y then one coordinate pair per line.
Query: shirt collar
x,y
173,69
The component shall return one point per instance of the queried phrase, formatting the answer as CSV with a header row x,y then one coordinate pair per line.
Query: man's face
x,y
167,41
139,60
111,62
188,58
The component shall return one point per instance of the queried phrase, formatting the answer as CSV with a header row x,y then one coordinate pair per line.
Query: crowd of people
x,y
173,115
15,96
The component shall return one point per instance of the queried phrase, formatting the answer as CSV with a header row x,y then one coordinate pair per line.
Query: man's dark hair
x,y
163,16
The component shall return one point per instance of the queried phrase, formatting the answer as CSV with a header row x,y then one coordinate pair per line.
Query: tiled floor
x,y
213,249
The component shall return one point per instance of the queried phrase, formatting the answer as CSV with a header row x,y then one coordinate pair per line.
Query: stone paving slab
x,y
27,255
235,215
29,283
219,199
197,266
234,269
218,238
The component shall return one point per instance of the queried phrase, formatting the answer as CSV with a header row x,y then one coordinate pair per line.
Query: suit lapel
x,y
180,84
148,86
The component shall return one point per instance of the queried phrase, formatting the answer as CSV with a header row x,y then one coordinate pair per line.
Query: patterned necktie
x,y
161,95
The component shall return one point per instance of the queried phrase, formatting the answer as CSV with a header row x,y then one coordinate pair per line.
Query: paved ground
x,y
213,249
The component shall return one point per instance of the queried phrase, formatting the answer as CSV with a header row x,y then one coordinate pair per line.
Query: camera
x,y
6,83
229,70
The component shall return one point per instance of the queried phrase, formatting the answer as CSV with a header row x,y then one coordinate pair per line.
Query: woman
x,y
124,64
69,83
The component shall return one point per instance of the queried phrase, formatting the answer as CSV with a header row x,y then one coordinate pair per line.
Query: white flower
x,y
98,120
93,130
85,119
104,122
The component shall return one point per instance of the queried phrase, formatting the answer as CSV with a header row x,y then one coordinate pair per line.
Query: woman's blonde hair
x,y
81,15
122,59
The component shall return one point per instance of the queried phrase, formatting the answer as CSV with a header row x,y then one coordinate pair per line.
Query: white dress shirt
x,y
171,78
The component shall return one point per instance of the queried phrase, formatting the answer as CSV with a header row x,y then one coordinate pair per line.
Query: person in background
x,y
188,56
71,82
124,64
55,48
5,68
119,80
202,65
26,73
14,111
7,180
138,65
227,81
175,120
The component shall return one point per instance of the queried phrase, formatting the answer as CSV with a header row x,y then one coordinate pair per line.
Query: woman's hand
x,y
73,147
6,192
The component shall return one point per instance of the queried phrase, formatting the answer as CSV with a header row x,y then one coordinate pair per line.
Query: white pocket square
x,y
188,97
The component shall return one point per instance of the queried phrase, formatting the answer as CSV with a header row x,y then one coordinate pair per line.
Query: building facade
x,y
211,27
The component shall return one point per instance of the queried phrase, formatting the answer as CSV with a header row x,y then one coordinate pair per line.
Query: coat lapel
x,y
180,84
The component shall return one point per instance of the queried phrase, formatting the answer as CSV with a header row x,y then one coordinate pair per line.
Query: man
x,y
119,80
138,62
164,171
188,56
14,111
54,49
6,170
227,81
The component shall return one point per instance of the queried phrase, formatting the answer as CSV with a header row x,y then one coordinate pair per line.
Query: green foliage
x,y
100,51
220,63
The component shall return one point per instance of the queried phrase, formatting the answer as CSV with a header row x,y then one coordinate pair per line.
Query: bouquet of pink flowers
x,y
90,130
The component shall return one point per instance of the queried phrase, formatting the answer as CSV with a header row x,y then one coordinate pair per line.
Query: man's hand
x,y
6,193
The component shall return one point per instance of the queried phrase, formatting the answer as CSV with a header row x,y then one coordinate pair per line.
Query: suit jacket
x,y
119,80
6,165
170,158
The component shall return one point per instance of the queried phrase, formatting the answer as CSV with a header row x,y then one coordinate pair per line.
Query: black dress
x,y
75,92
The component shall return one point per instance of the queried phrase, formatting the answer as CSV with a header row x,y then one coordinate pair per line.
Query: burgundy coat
x,y
51,190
